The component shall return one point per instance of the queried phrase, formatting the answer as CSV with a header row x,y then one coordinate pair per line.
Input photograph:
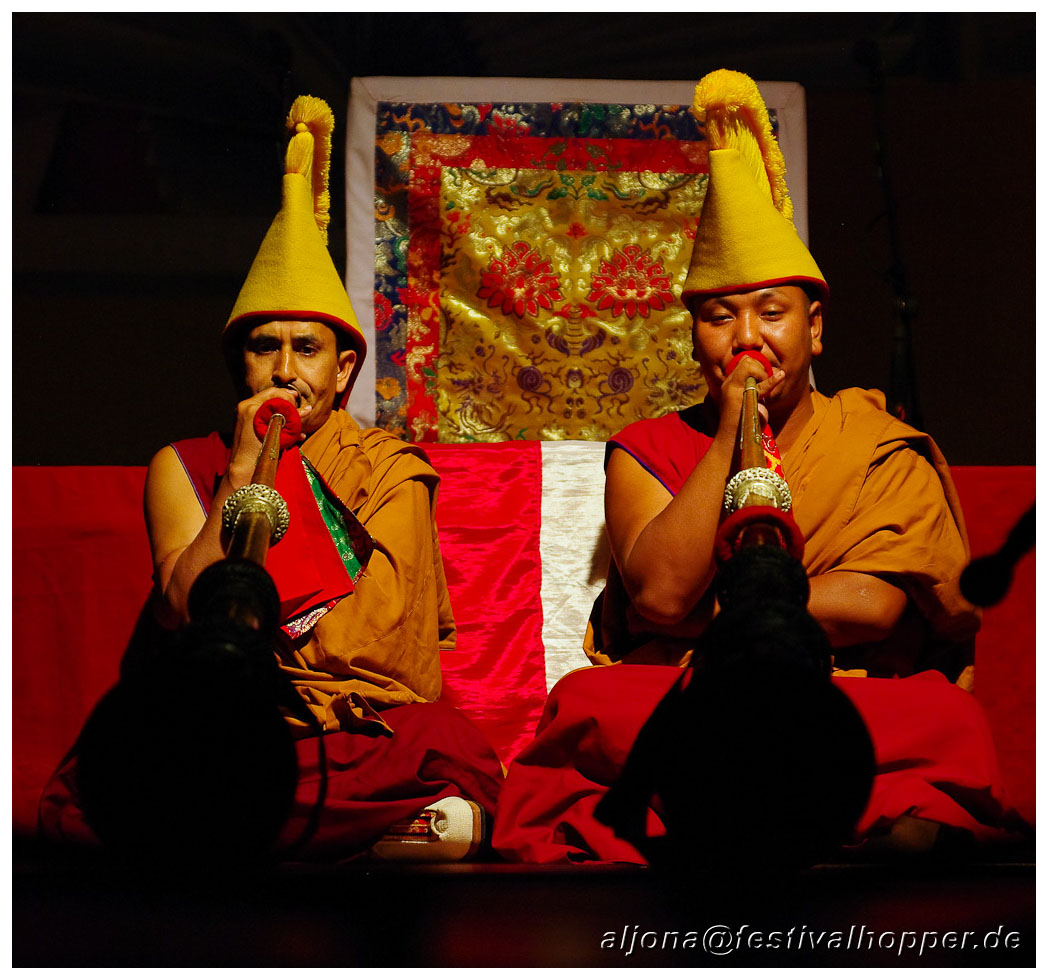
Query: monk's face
x,y
780,321
302,357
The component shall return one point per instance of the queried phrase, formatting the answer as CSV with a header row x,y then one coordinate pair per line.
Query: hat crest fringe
x,y
293,276
309,152
736,117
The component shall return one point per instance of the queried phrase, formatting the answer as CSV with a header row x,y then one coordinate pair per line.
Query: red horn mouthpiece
x,y
755,354
292,423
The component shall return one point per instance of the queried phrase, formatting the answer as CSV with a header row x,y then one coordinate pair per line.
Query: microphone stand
x,y
902,390
986,580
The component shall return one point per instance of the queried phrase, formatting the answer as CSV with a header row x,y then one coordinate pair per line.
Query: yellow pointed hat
x,y
746,238
293,276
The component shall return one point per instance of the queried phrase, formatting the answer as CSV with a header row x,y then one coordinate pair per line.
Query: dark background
x,y
147,149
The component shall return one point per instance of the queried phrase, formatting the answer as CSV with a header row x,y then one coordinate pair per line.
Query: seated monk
x,y
885,545
364,605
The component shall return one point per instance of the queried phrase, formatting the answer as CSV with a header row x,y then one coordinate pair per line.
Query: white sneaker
x,y
449,830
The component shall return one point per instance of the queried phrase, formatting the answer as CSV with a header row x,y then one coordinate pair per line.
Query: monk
x,y
885,544
365,610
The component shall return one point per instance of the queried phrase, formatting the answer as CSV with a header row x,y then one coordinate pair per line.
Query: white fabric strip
x,y
360,238
574,549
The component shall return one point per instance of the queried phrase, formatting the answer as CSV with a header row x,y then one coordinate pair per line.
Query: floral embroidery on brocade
x,y
558,306
633,282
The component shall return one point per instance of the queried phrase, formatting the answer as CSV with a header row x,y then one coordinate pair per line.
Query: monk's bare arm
x,y
853,607
183,540
663,544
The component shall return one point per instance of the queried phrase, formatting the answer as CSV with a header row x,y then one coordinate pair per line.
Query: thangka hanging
x,y
528,266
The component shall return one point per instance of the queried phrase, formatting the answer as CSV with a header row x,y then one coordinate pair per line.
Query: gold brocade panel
x,y
528,266
560,316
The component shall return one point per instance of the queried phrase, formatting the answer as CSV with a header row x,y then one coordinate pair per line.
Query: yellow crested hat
x,y
293,276
746,238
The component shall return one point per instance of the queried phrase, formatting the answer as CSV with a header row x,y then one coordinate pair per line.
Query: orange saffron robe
x,y
380,645
870,494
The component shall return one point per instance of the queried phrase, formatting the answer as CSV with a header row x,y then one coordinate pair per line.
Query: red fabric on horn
x,y
292,422
755,354
728,533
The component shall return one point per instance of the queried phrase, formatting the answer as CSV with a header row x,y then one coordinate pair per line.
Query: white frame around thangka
x,y
785,98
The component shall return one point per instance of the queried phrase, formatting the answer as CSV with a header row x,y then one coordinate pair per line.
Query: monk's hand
x,y
735,384
246,444
765,388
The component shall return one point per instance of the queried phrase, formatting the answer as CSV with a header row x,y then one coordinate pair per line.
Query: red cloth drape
x,y
488,517
81,571
994,498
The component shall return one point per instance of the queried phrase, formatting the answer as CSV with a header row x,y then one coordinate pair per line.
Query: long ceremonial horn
x,y
756,498
254,516
187,764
